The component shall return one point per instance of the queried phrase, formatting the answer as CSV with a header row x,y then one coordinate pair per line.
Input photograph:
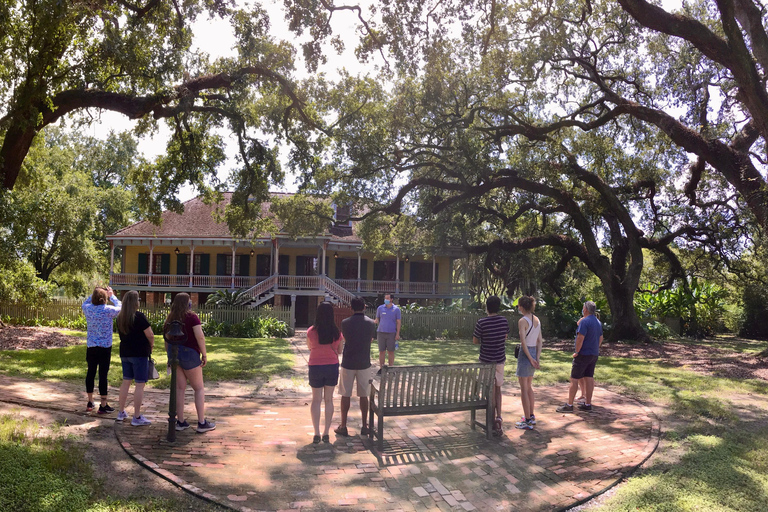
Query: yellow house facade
x,y
194,253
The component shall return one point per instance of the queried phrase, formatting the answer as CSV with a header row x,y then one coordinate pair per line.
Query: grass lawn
x,y
714,450
47,473
228,359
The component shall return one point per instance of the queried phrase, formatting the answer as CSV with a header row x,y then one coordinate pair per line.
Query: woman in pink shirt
x,y
325,343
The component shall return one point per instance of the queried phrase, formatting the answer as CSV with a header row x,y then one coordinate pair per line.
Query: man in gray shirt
x,y
358,331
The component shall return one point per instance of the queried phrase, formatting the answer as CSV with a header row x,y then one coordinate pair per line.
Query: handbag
x,y
152,372
517,347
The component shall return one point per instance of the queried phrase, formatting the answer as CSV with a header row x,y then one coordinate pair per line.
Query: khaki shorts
x,y
347,377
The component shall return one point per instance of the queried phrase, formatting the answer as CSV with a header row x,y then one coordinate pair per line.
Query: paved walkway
x,y
261,456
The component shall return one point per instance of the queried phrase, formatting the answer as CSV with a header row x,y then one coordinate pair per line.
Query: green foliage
x,y
19,284
658,330
301,215
700,307
226,298
755,321
254,327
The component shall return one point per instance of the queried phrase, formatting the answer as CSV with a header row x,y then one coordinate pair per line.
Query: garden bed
x,y
13,337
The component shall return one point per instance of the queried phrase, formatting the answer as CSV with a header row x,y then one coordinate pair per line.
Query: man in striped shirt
x,y
491,334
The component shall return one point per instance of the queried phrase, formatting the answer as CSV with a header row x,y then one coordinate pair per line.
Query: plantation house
x,y
192,252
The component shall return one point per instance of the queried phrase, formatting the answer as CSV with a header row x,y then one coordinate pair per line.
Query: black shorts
x,y
321,375
583,366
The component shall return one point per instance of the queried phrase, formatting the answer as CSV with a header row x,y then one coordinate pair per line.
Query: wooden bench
x,y
408,390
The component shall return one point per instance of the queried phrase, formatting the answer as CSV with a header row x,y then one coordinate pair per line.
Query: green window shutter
x,y
182,265
245,265
283,264
165,263
143,263
264,265
221,265
205,264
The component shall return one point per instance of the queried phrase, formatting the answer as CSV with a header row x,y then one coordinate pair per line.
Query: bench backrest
x,y
436,387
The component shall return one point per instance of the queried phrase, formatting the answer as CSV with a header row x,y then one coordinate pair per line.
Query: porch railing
x,y
292,283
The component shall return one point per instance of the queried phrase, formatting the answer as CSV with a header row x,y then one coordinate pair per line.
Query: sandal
x,y
316,439
326,438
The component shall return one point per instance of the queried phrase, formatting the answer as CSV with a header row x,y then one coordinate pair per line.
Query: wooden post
x,y
191,263
234,249
151,258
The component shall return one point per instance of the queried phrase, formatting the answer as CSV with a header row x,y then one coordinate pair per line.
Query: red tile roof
x,y
198,221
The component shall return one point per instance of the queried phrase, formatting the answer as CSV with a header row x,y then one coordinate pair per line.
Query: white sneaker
x,y
140,421
122,415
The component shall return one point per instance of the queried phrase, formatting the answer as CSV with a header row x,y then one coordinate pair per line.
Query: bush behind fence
x,y
71,310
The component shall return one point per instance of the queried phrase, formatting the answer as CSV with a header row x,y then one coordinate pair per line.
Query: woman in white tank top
x,y
529,328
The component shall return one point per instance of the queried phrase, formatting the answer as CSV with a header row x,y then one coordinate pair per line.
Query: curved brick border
x,y
654,444
235,500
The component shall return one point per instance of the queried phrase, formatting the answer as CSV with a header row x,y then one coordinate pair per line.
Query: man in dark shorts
x,y
358,331
589,337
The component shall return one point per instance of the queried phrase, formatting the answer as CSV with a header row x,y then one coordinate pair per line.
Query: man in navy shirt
x,y
589,337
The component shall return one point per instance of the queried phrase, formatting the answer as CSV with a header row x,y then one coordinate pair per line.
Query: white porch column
x,y
397,273
191,262
434,276
111,260
293,314
325,248
234,248
358,270
151,262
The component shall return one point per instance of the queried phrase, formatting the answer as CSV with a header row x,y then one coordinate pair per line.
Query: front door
x,y
302,311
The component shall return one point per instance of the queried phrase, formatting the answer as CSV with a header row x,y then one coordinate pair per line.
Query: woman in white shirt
x,y
529,329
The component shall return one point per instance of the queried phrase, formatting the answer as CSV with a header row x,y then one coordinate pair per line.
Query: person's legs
x,y
90,375
391,355
381,358
497,401
195,376
123,397
572,390
590,385
181,387
105,358
345,401
583,388
138,398
525,396
328,394
364,410
314,408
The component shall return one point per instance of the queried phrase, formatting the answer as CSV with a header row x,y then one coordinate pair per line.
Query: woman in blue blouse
x,y
98,353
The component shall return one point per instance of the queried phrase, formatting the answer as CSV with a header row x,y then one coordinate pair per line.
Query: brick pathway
x,y
261,456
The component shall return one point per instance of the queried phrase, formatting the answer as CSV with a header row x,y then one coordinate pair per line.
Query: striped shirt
x,y
492,333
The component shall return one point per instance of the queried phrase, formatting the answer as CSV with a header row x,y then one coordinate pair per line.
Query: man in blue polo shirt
x,y
388,320
589,337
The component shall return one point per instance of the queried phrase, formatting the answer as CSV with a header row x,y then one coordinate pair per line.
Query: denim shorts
x,y
189,358
136,369
323,375
524,368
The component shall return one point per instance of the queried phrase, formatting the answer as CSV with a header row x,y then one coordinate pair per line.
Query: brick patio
x,y
261,456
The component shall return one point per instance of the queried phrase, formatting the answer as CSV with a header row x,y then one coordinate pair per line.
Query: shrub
x,y
658,330
755,300
254,327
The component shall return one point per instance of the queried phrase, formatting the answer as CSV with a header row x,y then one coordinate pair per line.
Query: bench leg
x,y
381,433
472,420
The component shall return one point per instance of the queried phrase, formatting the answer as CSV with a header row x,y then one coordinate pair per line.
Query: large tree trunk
x,y
626,324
